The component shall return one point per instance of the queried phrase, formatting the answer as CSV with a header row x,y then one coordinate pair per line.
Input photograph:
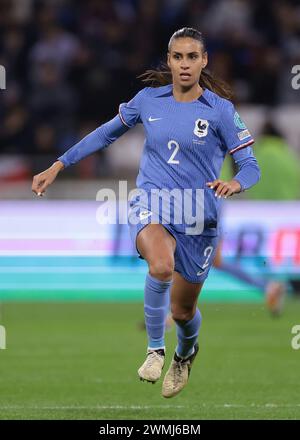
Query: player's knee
x,y
162,268
182,315
217,263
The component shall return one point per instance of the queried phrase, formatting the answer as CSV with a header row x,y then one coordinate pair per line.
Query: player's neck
x,y
187,95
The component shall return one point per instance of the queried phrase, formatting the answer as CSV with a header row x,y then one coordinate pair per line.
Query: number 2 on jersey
x,y
207,254
170,145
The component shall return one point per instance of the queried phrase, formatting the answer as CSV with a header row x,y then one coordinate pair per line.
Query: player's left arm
x,y
237,139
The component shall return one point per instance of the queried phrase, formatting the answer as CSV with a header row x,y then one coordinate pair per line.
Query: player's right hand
x,y
42,180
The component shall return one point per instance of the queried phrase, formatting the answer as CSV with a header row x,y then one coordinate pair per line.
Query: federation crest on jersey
x,y
201,127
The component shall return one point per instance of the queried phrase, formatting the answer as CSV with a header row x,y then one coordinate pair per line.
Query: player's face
x,y
186,60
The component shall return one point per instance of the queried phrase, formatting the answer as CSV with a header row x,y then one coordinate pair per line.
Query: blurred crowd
x,y
69,63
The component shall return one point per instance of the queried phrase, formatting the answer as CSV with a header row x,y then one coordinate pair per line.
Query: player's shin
x,y
187,334
156,306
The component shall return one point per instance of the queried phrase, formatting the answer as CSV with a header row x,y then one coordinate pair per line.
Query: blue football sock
x,y
187,334
156,306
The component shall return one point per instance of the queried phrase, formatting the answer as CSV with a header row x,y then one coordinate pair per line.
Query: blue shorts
x,y
194,254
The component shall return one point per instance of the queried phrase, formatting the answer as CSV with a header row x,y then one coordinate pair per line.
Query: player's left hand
x,y
224,189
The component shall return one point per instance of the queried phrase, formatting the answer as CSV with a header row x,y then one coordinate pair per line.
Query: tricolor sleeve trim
x,y
121,117
239,147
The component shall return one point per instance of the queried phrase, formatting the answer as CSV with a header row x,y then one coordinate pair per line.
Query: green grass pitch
x,y
76,360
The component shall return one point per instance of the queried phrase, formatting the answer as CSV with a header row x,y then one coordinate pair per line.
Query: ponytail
x,y
221,88
163,76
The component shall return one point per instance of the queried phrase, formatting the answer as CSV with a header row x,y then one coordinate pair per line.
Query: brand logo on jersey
x,y
144,214
150,119
201,127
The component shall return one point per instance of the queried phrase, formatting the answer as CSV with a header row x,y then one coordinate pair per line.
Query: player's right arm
x,y
103,136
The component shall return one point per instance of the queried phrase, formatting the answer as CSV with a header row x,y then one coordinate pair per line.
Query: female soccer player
x,y
190,126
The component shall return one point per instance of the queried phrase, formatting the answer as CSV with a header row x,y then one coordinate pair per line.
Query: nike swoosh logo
x,y
153,119
145,214
200,272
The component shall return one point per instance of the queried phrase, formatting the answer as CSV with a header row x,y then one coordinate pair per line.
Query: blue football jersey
x,y
186,143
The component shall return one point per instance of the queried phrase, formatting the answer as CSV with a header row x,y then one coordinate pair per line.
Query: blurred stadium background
x,y
65,279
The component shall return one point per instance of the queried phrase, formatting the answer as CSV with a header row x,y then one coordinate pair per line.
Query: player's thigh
x,y
184,297
155,242
217,262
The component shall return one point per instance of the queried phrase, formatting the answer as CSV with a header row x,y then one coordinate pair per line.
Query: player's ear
x,y
168,59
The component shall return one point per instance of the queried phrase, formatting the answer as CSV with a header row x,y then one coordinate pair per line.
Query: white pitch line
x,y
142,407
117,407
255,405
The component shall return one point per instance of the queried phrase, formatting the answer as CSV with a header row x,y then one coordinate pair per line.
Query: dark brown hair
x,y
163,76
